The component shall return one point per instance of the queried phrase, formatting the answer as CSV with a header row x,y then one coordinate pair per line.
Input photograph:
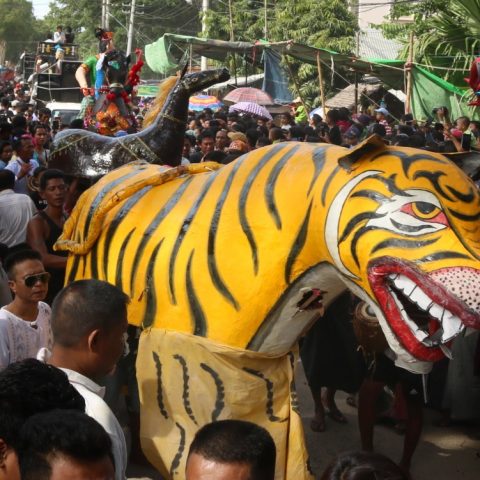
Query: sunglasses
x,y
31,280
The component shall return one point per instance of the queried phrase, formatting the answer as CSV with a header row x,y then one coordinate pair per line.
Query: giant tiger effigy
x,y
219,263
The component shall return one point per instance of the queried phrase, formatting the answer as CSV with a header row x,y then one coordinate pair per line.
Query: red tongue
x,y
433,326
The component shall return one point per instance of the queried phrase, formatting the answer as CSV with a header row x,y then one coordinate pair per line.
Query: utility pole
x,y
265,30
205,6
130,28
107,15
104,6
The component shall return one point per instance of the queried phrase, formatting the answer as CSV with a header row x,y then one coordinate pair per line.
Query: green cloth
x,y
300,114
430,91
91,64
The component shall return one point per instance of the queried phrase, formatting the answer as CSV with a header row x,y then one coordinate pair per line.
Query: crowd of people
x,y
78,334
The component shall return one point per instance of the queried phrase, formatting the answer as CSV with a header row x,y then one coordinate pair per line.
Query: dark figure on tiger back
x,y
81,153
46,226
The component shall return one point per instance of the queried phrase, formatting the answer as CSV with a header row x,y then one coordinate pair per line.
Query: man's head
x,y
59,28
44,115
231,450
89,319
463,123
27,388
207,142
381,114
40,135
27,277
53,188
221,140
62,444
7,180
24,148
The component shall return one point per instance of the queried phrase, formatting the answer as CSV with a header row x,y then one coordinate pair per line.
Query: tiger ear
x,y
469,162
374,143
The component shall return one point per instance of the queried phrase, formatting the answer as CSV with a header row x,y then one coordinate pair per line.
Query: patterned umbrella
x,y
198,102
248,94
251,109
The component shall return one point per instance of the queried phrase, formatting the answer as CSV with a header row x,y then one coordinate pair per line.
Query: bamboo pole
x,y
297,88
409,74
320,81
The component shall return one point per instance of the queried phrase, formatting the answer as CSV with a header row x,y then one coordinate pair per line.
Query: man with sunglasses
x,y
46,226
25,322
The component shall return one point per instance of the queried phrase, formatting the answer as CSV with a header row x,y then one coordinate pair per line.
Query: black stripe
x,y
295,405
328,182
196,311
160,402
407,160
149,232
433,177
411,228
269,386
318,158
151,308
271,183
391,185
73,269
220,398
372,195
102,194
118,270
401,243
183,230
464,197
115,223
356,220
186,388
356,238
93,260
244,196
462,216
441,256
212,234
298,244
179,454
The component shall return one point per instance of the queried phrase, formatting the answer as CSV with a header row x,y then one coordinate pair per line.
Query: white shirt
x,y
59,37
16,210
21,185
20,339
96,408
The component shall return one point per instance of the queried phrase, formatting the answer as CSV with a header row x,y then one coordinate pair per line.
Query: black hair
x,y
56,434
401,140
263,142
379,129
417,141
206,134
215,156
252,135
84,306
5,102
45,111
297,132
277,134
362,466
20,256
237,441
19,121
7,179
50,174
37,126
29,387
5,127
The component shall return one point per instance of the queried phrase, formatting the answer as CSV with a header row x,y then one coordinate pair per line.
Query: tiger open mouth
x,y
422,313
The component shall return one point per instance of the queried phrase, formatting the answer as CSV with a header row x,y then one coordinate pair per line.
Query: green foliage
x,y
447,34
18,27
321,23
152,20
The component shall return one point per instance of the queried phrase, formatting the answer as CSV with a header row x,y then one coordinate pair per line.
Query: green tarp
x,y
429,91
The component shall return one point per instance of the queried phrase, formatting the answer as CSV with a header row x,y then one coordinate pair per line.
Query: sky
x,y
40,7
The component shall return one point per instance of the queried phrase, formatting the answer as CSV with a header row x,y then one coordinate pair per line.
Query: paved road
x,y
443,453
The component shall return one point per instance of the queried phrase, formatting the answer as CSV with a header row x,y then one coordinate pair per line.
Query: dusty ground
x,y
443,453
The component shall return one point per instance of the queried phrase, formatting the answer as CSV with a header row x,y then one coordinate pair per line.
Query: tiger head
x,y
404,231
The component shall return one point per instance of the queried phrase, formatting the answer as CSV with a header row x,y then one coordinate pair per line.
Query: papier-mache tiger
x,y
218,263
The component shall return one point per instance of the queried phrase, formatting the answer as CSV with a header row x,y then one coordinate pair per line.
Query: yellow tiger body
x,y
228,253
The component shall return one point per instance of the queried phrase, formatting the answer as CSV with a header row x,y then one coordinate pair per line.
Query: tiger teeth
x,y
451,325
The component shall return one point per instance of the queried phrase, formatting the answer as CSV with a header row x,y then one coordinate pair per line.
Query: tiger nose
x,y
463,282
